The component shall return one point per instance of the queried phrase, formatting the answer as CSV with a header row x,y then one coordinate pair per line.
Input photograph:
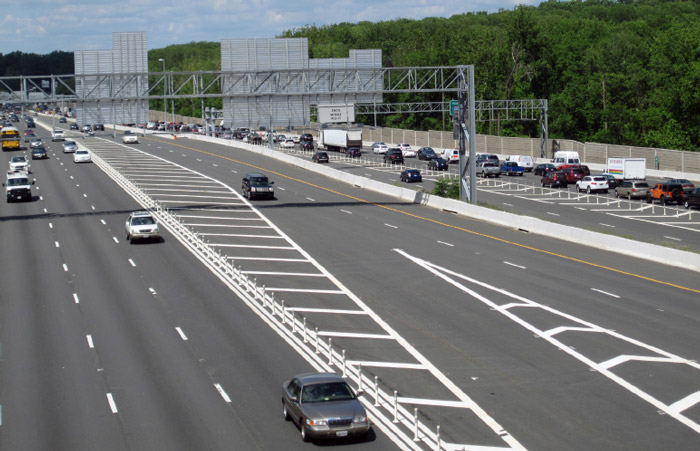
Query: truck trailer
x,y
628,168
340,140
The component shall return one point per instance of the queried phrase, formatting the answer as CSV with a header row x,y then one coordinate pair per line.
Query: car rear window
x,y
257,181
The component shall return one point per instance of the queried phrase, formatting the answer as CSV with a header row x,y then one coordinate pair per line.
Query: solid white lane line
x,y
434,402
303,290
408,366
606,293
273,273
112,404
354,335
446,244
513,264
222,392
392,226
239,235
132,262
65,267
326,310
247,246
685,403
115,239
672,238
89,340
75,298
269,259
182,334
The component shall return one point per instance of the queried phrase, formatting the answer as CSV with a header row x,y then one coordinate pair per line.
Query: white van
x,y
565,157
524,161
451,155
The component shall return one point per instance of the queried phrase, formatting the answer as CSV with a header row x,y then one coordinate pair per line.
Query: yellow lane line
x,y
434,221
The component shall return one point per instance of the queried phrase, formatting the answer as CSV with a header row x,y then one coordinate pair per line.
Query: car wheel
x,y
483,174
543,185
285,413
131,240
648,199
302,429
686,204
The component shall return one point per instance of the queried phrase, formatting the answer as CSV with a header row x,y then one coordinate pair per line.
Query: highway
x,y
115,346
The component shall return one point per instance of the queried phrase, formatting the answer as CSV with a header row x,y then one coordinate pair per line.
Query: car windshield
x,y
142,220
17,182
332,391
258,181
69,143
17,159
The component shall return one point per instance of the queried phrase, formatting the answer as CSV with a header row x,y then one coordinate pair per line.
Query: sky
x,y
42,26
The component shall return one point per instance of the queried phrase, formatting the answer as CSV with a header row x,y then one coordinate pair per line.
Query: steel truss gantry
x,y
309,83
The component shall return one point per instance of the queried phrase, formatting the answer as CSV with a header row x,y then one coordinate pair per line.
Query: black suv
x,y
100,127
393,155
306,137
256,185
692,198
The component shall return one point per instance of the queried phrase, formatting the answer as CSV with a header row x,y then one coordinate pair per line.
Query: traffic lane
x,y
446,327
52,395
273,391
309,183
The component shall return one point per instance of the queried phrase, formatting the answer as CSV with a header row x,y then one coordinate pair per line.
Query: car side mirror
x,y
3,184
294,399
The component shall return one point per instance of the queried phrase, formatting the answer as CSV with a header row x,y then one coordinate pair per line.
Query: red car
x,y
556,178
573,175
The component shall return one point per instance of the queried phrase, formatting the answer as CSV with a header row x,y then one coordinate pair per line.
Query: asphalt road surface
x,y
107,345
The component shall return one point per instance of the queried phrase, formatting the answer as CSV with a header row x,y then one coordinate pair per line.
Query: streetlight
x,y
165,101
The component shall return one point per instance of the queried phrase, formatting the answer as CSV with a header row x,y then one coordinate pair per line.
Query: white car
x,y
141,225
82,156
407,151
19,163
58,135
130,138
288,143
379,148
592,183
70,147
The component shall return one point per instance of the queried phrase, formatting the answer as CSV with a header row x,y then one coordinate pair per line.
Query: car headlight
x,y
360,419
316,422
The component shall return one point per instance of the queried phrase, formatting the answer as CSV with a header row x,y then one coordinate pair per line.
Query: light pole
x,y
165,101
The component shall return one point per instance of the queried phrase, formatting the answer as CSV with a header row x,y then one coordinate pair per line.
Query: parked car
x,y
665,192
525,161
354,152
320,157
542,169
306,137
379,147
393,155
451,155
407,151
288,143
591,183
141,225
39,153
100,127
685,183
255,184
613,182
511,168
82,156
323,406
573,175
632,190
554,178
307,146
426,153
411,175
438,164
70,146
62,120
692,198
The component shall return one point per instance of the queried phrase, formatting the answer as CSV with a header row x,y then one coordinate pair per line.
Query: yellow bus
x,y
10,138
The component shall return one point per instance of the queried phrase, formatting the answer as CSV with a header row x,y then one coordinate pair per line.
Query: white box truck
x,y
627,168
340,140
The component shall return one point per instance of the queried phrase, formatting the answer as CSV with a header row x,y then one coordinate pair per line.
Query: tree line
x,y
618,72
